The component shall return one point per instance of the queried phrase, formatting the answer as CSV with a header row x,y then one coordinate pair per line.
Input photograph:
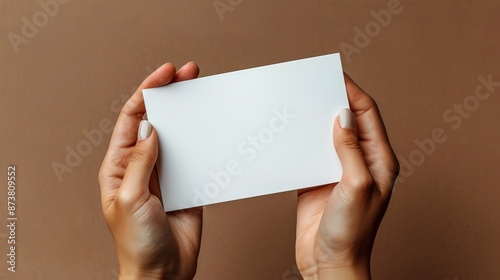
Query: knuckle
x,y
105,176
371,102
390,167
128,200
102,174
359,182
124,199
139,154
394,167
351,142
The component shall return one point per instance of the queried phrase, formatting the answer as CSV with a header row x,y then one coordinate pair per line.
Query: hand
x,y
337,224
150,243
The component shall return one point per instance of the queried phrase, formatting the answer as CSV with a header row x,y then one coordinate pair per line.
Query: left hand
x,y
337,223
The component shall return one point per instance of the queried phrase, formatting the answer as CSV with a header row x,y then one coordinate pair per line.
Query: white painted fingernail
x,y
346,118
145,129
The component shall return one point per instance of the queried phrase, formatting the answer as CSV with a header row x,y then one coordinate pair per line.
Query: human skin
x,y
150,243
336,224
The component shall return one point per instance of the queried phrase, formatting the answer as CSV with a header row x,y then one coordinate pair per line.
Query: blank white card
x,y
248,133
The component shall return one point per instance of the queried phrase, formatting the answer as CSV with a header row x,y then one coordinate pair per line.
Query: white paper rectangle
x,y
248,133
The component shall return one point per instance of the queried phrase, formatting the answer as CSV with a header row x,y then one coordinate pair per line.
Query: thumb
x,y
140,166
356,175
343,210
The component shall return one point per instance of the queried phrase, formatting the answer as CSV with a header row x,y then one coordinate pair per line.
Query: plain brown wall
x,y
443,221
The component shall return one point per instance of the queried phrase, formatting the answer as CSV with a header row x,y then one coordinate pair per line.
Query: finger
x,y
303,191
372,134
154,184
187,72
356,178
124,135
354,189
142,160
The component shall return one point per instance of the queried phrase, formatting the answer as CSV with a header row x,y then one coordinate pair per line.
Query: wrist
x,y
348,272
138,274
152,277
135,269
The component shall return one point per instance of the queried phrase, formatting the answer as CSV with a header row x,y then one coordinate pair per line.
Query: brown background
x,y
443,219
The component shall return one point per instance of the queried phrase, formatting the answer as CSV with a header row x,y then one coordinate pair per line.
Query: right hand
x,y
337,223
150,243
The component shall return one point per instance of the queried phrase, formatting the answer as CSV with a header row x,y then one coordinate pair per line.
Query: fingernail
x,y
346,118
145,129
